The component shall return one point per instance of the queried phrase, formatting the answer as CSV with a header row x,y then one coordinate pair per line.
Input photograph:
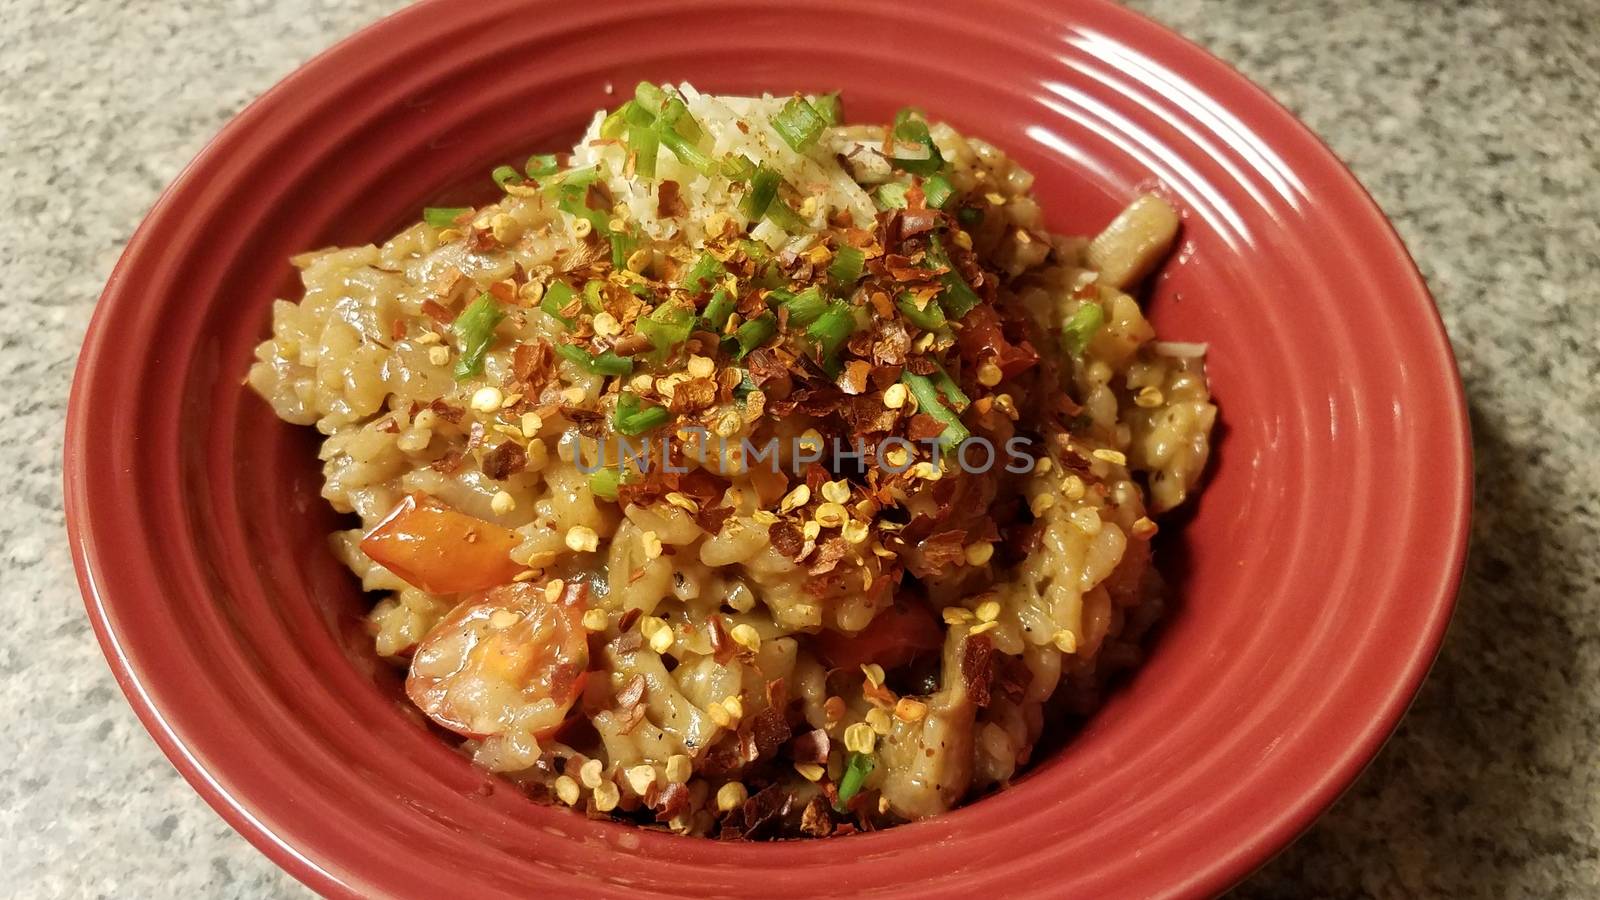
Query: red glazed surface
x,y
1315,580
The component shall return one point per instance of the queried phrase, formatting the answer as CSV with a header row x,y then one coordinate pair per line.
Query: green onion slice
x,y
603,483
829,108
805,307
556,298
799,124
786,218
1081,328
909,128
645,144
928,395
738,168
703,275
949,389
634,418
763,190
856,770
651,97
929,318
541,165
668,325
474,330
606,363
754,333
831,329
504,175
718,310
958,297
685,150
937,191
846,268
444,216
592,295
890,195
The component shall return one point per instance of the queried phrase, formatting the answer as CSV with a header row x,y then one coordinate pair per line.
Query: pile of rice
x,y
669,651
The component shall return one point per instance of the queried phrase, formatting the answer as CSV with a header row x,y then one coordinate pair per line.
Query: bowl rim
x,y
94,564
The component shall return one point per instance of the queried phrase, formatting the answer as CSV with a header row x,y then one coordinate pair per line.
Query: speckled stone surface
x,y
1473,124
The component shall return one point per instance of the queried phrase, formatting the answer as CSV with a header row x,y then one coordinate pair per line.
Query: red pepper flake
x,y
977,667
771,802
923,427
397,329
918,221
503,292
811,747
786,538
448,464
628,618
505,460
668,204
436,312
828,556
853,380
769,731
693,395
672,800
632,693
723,649
942,550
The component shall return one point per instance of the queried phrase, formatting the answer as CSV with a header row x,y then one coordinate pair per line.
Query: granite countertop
x,y
1471,122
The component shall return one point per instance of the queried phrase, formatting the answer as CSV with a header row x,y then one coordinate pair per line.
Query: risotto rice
x,y
860,627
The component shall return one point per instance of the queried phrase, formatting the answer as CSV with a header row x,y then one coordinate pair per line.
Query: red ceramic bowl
x,y
1315,580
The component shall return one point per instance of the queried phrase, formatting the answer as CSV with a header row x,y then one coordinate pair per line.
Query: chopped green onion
x,y
668,325
556,298
786,218
504,175
572,179
754,333
890,195
937,191
676,116
909,128
592,295
846,268
738,168
929,318
622,246
718,310
612,125
646,145
951,391
651,97
1080,329
574,202
606,363
686,152
832,329
829,108
474,330
636,115
763,190
856,770
541,165
633,418
798,124
927,395
969,215
444,216
806,307
603,483
958,297
703,274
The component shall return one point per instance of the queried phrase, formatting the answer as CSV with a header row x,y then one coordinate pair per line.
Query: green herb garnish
x,y
444,216
474,330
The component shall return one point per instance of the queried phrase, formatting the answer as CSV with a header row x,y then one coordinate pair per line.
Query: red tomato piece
x,y
509,660
440,550
894,636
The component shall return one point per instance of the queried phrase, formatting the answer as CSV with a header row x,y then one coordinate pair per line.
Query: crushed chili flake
x,y
436,312
785,538
810,747
977,667
505,460
669,205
